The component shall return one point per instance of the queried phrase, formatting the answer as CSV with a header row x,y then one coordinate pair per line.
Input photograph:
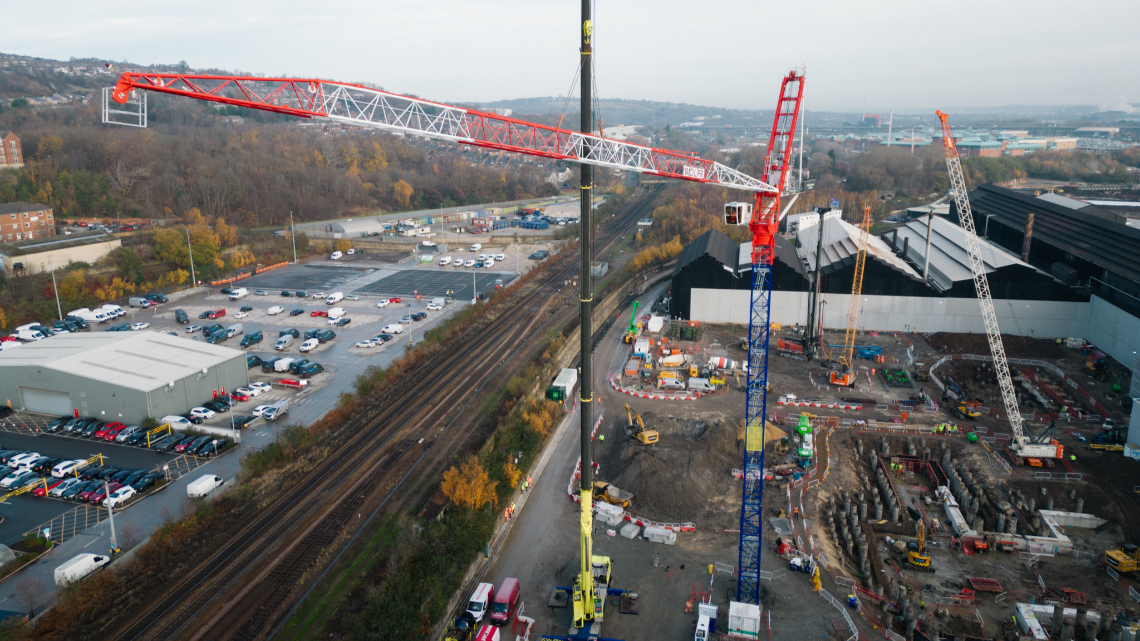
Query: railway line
x,y
240,590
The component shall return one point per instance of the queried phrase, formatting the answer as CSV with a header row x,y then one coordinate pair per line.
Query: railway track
x,y
266,559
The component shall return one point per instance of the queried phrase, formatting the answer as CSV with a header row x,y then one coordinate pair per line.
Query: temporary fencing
x,y
843,611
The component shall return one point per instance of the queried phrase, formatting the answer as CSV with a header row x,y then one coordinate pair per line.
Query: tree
x,y
195,218
29,590
227,234
170,245
3,319
49,146
19,103
72,285
128,262
402,192
123,178
341,245
511,471
469,486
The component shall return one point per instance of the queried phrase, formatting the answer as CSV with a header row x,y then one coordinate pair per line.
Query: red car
x,y
217,313
240,396
101,493
103,431
41,490
85,495
394,300
319,312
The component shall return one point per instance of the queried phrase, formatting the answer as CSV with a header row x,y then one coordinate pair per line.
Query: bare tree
x,y
123,178
29,590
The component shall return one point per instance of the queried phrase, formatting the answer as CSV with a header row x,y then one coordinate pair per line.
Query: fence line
x,y
839,606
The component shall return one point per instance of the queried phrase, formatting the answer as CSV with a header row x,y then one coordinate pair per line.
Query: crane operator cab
x,y
737,213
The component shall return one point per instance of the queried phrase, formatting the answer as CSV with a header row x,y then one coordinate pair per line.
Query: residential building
x,y
25,221
11,153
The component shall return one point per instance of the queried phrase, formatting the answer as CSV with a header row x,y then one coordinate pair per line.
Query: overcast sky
x,y
896,55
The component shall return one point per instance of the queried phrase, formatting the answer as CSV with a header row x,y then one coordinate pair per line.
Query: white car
x,y
500,256
319,295
64,468
366,343
351,251
276,309
119,496
384,303
193,328
260,409
484,257
469,263
458,262
15,477
201,412
352,297
258,385
446,260
16,461
309,345
434,307
394,328
490,263
138,326
251,390
241,314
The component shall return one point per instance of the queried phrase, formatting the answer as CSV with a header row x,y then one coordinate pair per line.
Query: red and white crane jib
x,y
364,106
766,219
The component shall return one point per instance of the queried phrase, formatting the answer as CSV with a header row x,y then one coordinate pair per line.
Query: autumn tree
x,y
511,471
227,234
341,245
540,415
73,285
3,319
402,192
469,486
194,217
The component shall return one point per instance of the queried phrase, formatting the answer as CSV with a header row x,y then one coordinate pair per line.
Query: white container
x,y
283,364
656,323
78,567
204,486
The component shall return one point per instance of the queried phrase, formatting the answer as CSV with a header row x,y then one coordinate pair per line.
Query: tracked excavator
x,y
637,429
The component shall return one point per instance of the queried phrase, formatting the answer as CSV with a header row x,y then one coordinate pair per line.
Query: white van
x,y
476,247
91,316
445,261
480,600
235,329
28,335
114,311
394,328
334,298
283,343
308,345
500,257
336,256
277,410
176,422
78,567
484,257
701,385
283,364
239,293
204,486
336,313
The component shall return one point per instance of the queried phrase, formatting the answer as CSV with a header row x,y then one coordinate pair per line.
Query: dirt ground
x,y
686,476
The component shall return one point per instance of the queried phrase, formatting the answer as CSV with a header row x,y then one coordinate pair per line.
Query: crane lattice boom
x,y
1021,444
363,106
847,358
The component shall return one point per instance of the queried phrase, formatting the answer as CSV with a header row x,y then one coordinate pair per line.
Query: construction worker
x,y
689,605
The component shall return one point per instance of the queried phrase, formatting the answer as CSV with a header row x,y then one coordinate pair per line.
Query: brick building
x,y
25,221
11,153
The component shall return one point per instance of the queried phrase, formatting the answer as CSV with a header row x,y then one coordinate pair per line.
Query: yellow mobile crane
x,y
846,377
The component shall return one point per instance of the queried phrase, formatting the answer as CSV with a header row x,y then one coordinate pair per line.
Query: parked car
x,y
260,292
64,468
107,428
384,303
395,299
196,420
419,316
366,343
309,345
275,310
319,312
218,405
113,433
146,481
121,495
264,387
394,328
204,315
91,429
77,489
241,314
296,312
43,488
58,423
201,412
286,293
252,338
193,328
341,322
242,421
241,395
139,326
249,391
196,445
310,370
291,331
252,360
63,486
158,298
128,432
406,320
217,313
98,496
260,409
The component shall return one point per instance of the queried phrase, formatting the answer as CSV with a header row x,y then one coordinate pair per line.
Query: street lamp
x,y
294,234
55,289
233,426
193,278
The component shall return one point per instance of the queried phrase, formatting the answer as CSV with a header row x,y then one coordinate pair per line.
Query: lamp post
x,y
193,278
233,426
55,289
293,233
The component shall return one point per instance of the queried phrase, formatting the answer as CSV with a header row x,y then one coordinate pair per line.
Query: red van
x,y
506,597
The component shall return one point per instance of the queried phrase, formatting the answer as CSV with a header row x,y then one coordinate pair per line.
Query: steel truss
x,y
363,106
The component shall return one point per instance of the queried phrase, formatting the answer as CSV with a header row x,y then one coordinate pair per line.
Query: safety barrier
x,y
659,396
261,270
837,406
839,606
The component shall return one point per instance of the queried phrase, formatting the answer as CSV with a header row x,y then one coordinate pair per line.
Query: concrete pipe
x,y
1080,505
1042,490
1090,631
1072,494
862,511
878,511
1058,618
1011,526
1049,503
1001,522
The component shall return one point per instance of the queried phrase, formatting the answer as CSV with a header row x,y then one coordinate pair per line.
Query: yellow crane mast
x,y
846,377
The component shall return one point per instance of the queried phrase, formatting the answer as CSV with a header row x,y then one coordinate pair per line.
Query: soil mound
x,y
1015,346
677,478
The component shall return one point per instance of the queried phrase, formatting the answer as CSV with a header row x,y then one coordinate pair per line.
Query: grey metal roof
x,y
1064,201
19,208
949,261
357,226
714,243
841,244
54,243
142,360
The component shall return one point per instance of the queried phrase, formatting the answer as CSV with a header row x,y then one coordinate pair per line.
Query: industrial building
x,y
355,228
120,376
55,252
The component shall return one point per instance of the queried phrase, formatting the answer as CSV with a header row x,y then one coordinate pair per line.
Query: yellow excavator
x,y
1126,559
918,556
637,427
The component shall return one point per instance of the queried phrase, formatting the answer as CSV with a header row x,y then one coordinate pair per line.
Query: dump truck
x,y
611,494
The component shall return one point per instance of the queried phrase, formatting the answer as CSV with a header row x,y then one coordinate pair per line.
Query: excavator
x,y
1126,559
631,331
918,556
636,428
